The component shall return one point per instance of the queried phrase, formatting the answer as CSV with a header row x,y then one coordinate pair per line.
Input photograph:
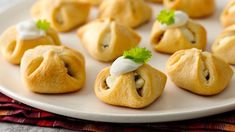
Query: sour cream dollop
x,y
28,30
122,65
181,19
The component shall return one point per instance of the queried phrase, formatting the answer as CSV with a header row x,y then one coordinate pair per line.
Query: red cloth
x,y
15,112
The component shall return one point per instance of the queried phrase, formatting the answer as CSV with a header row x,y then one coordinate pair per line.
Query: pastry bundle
x,y
224,45
228,15
53,69
199,72
194,8
17,39
109,39
132,13
130,82
173,31
63,15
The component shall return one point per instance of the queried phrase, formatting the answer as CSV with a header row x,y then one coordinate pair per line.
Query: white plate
x,y
174,104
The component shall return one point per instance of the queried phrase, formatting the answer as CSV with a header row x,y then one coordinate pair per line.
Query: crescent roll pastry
x,y
93,2
131,13
53,69
177,32
109,39
199,72
63,15
228,15
224,45
26,35
194,8
130,82
156,1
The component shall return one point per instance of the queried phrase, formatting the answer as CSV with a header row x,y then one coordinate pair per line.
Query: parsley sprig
x,y
43,25
166,17
138,55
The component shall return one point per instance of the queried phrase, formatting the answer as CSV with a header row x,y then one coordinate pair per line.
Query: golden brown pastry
x,y
93,2
53,69
228,15
130,82
177,33
194,8
156,1
63,15
224,45
199,72
109,39
23,36
131,13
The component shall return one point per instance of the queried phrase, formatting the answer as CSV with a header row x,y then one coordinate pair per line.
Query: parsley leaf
x,y
166,17
138,55
43,25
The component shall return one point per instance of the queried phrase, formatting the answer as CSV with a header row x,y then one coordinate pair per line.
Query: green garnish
x,y
138,55
166,17
43,25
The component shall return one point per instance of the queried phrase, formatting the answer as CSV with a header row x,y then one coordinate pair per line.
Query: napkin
x,y
16,112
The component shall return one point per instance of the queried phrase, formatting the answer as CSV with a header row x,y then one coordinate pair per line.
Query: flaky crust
x,y
171,40
156,1
124,92
132,13
13,48
92,2
225,50
53,69
226,17
186,69
194,8
122,38
63,15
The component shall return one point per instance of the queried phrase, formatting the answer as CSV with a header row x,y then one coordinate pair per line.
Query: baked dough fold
x,y
228,15
109,39
124,91
224,45
199,72
191,35
194,8
63,15
132,13
53,69
13,47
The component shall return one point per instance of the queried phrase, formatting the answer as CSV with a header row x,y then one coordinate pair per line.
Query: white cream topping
x,y
122,65
181,19
188,34
139,83
231,9
28,30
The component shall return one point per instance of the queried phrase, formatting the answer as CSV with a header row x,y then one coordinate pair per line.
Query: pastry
x,y
228,15
224,45
199,72
130,82
131,13
173,31
53,69
109,39
194,8
63,15
26,35
156,1
93,2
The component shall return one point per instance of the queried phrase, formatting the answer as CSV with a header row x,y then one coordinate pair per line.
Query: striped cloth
x,y
16,112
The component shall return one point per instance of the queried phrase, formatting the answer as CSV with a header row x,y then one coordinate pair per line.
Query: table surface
x,y
9,127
